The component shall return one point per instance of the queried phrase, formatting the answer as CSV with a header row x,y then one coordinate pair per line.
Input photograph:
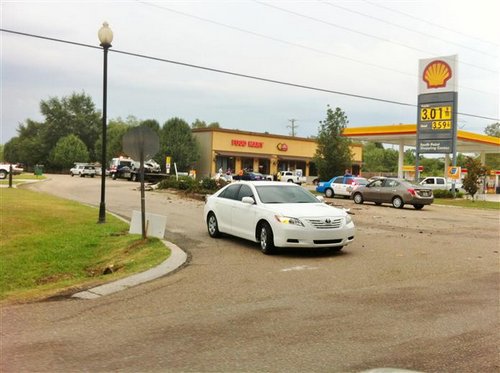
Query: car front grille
x,y
326,223
327,242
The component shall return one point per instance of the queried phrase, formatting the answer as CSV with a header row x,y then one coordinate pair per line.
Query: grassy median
x,y
467,203
50,246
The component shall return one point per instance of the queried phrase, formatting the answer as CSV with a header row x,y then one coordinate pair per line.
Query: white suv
x,y
83,170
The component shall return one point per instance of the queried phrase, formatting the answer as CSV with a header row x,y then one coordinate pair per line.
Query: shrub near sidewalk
x,y
190,185
50,245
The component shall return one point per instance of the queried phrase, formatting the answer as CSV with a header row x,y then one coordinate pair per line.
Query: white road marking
x,y
298,268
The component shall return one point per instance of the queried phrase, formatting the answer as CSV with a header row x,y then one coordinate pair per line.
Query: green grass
x,y
18,179
49,246
467,203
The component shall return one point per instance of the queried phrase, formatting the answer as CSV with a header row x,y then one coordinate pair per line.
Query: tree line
x,y
72,132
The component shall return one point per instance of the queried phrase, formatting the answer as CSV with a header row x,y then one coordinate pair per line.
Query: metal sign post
x,y
141,143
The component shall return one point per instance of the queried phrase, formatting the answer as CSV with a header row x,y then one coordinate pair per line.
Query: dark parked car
x,y
398,192
252,176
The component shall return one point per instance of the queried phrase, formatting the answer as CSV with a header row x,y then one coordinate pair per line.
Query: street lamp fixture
x,y
105,37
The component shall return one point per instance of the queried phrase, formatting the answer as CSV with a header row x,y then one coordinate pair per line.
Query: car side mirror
x,y
248,200
320,198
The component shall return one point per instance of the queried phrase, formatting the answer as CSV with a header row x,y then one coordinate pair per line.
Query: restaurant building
x,y
268,154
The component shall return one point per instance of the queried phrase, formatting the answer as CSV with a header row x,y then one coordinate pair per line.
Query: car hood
x,y
305,210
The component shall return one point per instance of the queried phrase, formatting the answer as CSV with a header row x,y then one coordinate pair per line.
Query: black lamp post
x,y
105,37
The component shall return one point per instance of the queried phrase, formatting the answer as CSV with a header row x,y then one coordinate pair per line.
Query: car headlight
x,y
348,219
288,220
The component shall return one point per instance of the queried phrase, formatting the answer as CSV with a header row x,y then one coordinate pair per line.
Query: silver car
x,y
397,192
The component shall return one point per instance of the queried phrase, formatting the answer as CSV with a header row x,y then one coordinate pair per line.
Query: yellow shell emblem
x,y
436,74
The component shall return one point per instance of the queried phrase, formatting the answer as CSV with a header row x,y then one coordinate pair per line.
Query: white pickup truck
x,y
435,182
5,169
291,177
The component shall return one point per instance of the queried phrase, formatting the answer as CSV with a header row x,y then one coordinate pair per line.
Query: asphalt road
x,y
417,290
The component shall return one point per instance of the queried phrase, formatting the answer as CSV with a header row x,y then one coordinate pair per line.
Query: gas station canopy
x,y
406,135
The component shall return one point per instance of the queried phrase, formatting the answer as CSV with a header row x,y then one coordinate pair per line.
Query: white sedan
x,y
277,215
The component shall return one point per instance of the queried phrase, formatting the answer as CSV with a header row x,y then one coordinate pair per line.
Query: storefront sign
x,y
244,143
282,147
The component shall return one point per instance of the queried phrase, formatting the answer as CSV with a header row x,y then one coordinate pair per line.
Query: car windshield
x,y
284,194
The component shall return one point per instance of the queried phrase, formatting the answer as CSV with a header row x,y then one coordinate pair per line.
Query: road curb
x,y
176,259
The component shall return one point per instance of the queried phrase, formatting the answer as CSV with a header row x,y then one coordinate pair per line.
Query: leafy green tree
x,y
475,170
409,157
492,160
177,141
333,154
432,166
214,125
151,123
202,124
493,129
27,147
68,150
199,124
373,157
114,135
2,158
75,114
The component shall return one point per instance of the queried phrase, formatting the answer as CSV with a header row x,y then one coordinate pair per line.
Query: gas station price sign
x,y
436,123
437,113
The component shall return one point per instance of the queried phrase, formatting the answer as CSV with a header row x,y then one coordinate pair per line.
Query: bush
x,y
441,193
190,185
209,184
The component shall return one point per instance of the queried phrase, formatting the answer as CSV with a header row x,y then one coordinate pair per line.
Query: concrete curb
x,y
176,259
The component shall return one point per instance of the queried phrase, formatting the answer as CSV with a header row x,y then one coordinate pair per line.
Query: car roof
x,y
266,182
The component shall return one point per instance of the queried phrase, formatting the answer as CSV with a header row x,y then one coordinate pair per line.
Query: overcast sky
x,y
369,48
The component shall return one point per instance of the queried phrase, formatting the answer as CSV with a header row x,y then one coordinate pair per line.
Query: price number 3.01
x,y
435,113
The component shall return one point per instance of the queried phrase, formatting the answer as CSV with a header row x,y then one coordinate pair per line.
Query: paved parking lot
x,y
416,290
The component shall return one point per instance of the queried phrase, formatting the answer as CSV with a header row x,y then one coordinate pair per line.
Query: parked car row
x,y
276,214
397,192
340,185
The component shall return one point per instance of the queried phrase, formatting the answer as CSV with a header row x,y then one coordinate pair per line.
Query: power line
x,y
274,39
293,44
428,22
232,73
433,36
386,40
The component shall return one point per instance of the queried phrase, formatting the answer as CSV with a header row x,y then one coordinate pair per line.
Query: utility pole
x,y
293,126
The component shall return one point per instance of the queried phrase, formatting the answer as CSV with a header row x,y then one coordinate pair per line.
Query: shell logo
x,y
436,74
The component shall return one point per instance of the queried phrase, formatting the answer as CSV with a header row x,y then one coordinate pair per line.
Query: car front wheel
x,y
266,239
358,198
397,202
213,226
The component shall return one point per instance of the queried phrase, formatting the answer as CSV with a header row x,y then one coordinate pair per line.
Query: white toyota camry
x,y
277,215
